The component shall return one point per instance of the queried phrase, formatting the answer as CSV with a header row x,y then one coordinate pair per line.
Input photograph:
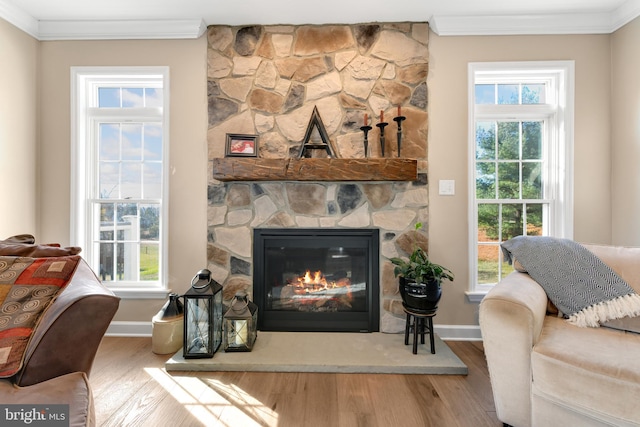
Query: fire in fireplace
x,y
317,279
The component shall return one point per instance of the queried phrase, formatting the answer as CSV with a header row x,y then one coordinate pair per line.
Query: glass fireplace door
x,y
316,280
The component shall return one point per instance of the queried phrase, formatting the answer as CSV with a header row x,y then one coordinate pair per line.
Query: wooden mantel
x,y
258,169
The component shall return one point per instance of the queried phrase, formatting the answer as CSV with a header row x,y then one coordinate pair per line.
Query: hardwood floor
x,y
131,388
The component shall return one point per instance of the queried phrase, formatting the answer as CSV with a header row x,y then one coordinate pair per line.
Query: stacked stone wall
x,y
266,81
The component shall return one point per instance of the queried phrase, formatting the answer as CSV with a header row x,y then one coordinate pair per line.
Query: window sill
x,y
475,296
140,293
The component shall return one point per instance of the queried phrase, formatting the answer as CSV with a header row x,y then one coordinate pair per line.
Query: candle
x,y
366,117
381,116
399,111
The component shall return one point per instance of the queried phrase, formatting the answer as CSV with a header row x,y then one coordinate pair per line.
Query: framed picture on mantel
x,y
239,145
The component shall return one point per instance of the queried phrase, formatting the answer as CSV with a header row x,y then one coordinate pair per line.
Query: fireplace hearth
x,y
317,280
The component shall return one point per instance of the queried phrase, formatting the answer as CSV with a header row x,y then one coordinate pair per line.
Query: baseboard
x,y
445,332
458,332
129,329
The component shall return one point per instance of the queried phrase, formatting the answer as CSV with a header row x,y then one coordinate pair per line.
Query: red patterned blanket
x,y
27,288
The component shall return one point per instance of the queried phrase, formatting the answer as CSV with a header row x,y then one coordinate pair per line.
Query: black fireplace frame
x,y
276,320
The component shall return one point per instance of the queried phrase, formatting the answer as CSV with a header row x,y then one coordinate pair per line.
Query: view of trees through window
x,y
509,176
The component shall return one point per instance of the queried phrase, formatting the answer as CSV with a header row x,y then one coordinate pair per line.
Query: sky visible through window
x,y
525,93
121,97
130,154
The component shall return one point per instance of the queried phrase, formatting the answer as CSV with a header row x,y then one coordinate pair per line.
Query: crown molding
x,y
626,13
18,18
121,30
585,23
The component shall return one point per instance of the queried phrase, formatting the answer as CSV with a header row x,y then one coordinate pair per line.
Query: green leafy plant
x,y
419,268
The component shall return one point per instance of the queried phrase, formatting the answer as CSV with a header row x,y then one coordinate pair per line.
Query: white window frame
x,y
84,81
558,115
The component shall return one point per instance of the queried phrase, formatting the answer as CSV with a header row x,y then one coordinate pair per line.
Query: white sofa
x,y
547,372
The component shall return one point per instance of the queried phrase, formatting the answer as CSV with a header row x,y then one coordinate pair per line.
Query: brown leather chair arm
x,y
67,338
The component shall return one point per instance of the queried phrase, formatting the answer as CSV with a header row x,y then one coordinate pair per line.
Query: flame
x,y
317,282
314,289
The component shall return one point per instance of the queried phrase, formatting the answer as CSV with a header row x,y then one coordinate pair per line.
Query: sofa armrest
x,y
70,331
511,318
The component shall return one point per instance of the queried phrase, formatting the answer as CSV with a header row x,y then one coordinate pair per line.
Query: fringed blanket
x,y
586,290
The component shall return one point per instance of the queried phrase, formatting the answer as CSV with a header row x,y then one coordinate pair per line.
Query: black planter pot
x,y
420,296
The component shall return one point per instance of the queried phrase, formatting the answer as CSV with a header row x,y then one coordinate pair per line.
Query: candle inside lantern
x,y
399,111
381,116
366,118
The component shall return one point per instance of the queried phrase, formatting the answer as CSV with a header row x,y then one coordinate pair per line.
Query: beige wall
x,y
447,148
188,147
447,82
18,124
625,134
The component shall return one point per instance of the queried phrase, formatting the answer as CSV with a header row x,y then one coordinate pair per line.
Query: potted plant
x,y
420,279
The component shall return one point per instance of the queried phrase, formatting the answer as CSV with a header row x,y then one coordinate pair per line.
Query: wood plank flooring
x,y
131,388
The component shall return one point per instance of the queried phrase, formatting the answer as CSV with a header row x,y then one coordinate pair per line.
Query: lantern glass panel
x,y
217,316
198,337
240,325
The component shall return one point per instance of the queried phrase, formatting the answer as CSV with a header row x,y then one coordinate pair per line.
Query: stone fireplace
x,y
267,81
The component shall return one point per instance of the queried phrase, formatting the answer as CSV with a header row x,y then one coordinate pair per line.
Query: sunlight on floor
x,y
213,402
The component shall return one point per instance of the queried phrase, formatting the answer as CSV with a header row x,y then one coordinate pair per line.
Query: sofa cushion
x,y
27,287
72,389
588,368
622,260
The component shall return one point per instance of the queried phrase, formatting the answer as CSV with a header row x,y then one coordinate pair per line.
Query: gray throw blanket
x,y
586,290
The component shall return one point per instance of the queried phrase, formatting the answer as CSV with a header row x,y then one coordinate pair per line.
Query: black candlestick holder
x,y
382,125
399,120
365,129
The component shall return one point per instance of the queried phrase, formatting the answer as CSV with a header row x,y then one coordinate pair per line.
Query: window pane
x,y
127,265
108,180
152,141
508,180
532,140
131,181
485,94
532,180
127,215
153,97
488,223
485,140
508,94
149,261
132,97
488,258
132,141
106,257
505,267
511,221
107,222
508,140
152,180
485,180
109,97
534,219
533,93
109,142
149,222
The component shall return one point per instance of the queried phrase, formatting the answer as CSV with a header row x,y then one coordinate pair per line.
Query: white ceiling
x,y
123,19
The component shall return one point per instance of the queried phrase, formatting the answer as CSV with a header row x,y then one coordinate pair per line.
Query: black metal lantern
x,y
202,317
240,324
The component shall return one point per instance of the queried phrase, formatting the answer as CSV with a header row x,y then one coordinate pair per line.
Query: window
x,y
520,145
120,158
